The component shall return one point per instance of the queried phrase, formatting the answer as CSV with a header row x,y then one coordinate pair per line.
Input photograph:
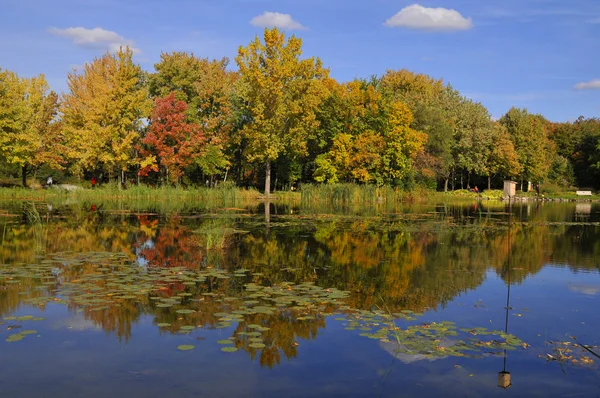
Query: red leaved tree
x,y
171,143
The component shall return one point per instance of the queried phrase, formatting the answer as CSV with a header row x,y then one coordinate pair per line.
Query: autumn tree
x,y
402,143
207,87
502,158
104,112
281,92
30,134
432,104
171,143
529,136
377,145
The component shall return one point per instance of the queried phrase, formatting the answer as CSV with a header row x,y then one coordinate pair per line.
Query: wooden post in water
x,y
504,376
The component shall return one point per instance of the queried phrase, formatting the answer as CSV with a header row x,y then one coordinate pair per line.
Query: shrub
x,y
492,194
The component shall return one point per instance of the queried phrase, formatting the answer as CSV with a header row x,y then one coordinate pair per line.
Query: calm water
x,y
98,301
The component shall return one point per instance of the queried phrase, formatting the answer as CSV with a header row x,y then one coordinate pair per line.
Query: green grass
x,y
553,191
311,196
369,195
141,197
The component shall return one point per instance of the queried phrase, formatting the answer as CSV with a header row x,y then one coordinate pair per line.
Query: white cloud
x,y
95,38
591,85
433,19
275,19
590,290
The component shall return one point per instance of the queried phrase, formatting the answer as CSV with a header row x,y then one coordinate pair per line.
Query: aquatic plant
x,y
108,285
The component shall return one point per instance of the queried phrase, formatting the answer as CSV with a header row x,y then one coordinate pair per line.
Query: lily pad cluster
x,y
20,336
431,339
12,338
186,300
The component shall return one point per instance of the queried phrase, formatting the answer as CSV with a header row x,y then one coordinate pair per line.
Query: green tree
x,y
281,93
586,155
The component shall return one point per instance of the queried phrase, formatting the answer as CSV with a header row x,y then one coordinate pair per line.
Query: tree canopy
x,y
278,120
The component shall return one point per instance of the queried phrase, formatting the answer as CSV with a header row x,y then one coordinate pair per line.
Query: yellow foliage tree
x,y
281,93
29,133
103,113
379,145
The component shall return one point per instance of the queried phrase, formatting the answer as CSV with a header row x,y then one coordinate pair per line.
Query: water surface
x,y
96,299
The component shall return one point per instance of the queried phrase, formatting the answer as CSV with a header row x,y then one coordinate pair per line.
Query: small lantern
x,y
504,379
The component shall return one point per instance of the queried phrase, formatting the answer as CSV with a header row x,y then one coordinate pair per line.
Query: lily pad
x,y
188,327
15,337
186,347
223,342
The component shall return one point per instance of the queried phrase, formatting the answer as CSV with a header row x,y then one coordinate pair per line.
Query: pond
x,y
467,299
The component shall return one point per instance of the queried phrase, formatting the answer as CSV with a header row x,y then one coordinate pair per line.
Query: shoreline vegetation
x,y
309,195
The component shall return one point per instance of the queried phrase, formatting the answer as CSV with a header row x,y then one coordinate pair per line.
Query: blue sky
x,y
540,54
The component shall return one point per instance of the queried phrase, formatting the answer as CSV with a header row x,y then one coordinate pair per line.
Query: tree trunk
x,y
446,185
121,179
468,180
462,186
24,175
489,182
268,179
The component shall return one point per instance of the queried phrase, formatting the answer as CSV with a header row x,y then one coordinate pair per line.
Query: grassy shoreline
x,y
309,195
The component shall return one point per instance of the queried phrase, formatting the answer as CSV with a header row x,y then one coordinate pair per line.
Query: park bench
x,y
584,193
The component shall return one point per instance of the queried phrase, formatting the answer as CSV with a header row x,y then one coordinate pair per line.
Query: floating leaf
x,y
187,327
223,342
15,337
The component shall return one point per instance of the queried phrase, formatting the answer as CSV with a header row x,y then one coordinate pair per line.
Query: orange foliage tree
x,y
171,142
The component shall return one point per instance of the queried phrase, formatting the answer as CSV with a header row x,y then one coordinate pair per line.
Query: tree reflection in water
x,y
411,261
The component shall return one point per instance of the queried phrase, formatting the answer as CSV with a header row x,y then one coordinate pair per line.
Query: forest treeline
x,y
277,121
